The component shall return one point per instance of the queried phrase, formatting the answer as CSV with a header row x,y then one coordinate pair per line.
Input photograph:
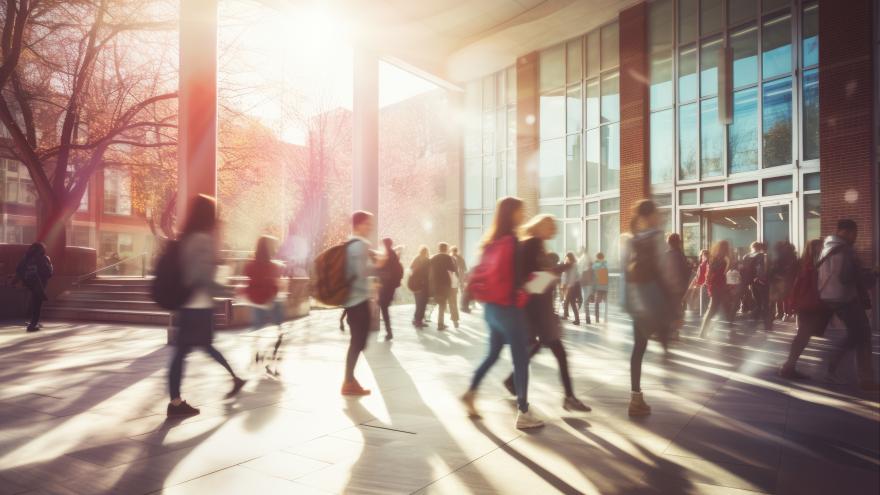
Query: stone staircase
x,y
117,299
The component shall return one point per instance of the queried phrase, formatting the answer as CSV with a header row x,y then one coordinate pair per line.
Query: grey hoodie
x,y
837,277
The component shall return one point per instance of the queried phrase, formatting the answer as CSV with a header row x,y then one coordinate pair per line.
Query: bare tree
x,y
78,90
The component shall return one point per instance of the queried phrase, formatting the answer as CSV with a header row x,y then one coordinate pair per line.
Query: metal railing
x,y
89,276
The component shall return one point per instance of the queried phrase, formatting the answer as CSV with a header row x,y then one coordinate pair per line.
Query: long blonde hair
x,y
533,226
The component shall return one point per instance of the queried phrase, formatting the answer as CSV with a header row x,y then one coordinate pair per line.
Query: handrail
x,y
87,276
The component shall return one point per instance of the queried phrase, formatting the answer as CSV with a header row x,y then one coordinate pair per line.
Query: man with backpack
x,y
34,272
357,301
754,274
440,281
842,285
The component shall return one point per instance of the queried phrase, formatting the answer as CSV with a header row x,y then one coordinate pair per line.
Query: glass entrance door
x,y
739,227
776,225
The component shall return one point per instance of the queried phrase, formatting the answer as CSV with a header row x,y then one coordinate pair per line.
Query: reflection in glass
x,y
610,46
473,182
711,139
610,157
661,80
573,237
745,190
777,122
742,135
776,47
660,26
593,238
489,169
687,20
811,35
593,54
611,239
592,103
740,10
573,165
776,226
777,185
592,159
709,67
710,16
812,217
687,74
574,58
551,168
552,120
688,138
610,98
488,133
745,56
552,67
811,114
662,148
771,5
712,195
573,109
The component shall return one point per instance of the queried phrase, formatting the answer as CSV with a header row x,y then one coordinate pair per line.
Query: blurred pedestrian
x,y
263,285
813,315
754,274
585,265
34,271
571,287
195,320
680,269
716,283
600,284
418,283
390,275
440,281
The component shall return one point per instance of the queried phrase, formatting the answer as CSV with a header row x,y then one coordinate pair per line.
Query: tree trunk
x,y
52,231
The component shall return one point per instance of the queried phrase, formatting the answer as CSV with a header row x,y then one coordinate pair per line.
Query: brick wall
x,y
846,92
527,144
634,110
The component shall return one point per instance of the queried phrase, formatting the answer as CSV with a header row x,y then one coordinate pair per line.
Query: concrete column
x,y
365,128
527,143
635,118
197,95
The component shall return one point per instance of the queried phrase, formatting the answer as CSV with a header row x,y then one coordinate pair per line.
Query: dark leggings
x,y
359,325
561,359
175,374
37,298
641,332
571,298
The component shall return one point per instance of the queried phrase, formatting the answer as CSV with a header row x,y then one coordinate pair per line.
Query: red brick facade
x,y
527,125
634,110
846,103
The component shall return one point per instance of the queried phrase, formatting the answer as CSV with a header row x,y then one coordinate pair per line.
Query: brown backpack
x,y
330,285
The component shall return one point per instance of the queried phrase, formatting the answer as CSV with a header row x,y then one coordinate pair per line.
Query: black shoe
x,y
182,409
576,322
388,336
508,384
237,383
33,328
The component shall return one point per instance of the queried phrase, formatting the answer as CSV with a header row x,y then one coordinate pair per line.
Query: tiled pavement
x,y
81,411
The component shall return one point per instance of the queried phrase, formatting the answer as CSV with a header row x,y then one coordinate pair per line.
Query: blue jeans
x,y
265,316
507,326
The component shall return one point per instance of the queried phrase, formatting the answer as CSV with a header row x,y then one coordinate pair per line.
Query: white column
x,y
197,97
365,123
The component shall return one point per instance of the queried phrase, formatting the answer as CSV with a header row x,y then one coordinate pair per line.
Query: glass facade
x,y
579,129
489,147
734,126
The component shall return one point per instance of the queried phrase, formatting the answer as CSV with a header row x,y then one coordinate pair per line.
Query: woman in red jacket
x,y
716,284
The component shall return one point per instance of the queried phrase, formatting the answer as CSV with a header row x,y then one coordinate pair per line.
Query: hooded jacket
x,y
838,274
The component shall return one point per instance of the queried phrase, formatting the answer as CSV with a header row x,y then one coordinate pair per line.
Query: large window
x,y
117,191
16,183
489,151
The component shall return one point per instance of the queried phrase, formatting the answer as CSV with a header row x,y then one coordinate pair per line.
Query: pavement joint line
x,y
387,428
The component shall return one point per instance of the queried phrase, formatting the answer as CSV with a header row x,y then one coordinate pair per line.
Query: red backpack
x,y
492,280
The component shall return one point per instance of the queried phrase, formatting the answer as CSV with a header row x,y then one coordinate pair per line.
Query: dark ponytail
x,y
641,209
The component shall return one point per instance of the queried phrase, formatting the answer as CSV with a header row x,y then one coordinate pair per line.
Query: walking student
x,y
600,284
390,274
571,287
440,281
497,282
456,278
754,273
680,270
842,284
357,304
544,326
195,320
586,268
418,283
813,315
264,282
464,304
647,295
34,272
716,283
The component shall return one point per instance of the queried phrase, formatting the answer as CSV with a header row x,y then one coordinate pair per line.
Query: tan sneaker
x,y
638,406
468,400
526,420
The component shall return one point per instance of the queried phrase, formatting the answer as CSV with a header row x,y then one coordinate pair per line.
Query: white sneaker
x,y
526,420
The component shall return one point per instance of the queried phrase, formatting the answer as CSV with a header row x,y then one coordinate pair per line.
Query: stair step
x,y
65,302
85,295
111,315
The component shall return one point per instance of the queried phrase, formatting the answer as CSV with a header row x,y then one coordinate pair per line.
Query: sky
x,y
282,66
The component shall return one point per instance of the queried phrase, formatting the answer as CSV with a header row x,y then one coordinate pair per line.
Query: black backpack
x,y
168,289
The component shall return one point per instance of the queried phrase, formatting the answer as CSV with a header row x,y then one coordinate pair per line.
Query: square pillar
x,y
527,142
197,102
635,118
365,130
